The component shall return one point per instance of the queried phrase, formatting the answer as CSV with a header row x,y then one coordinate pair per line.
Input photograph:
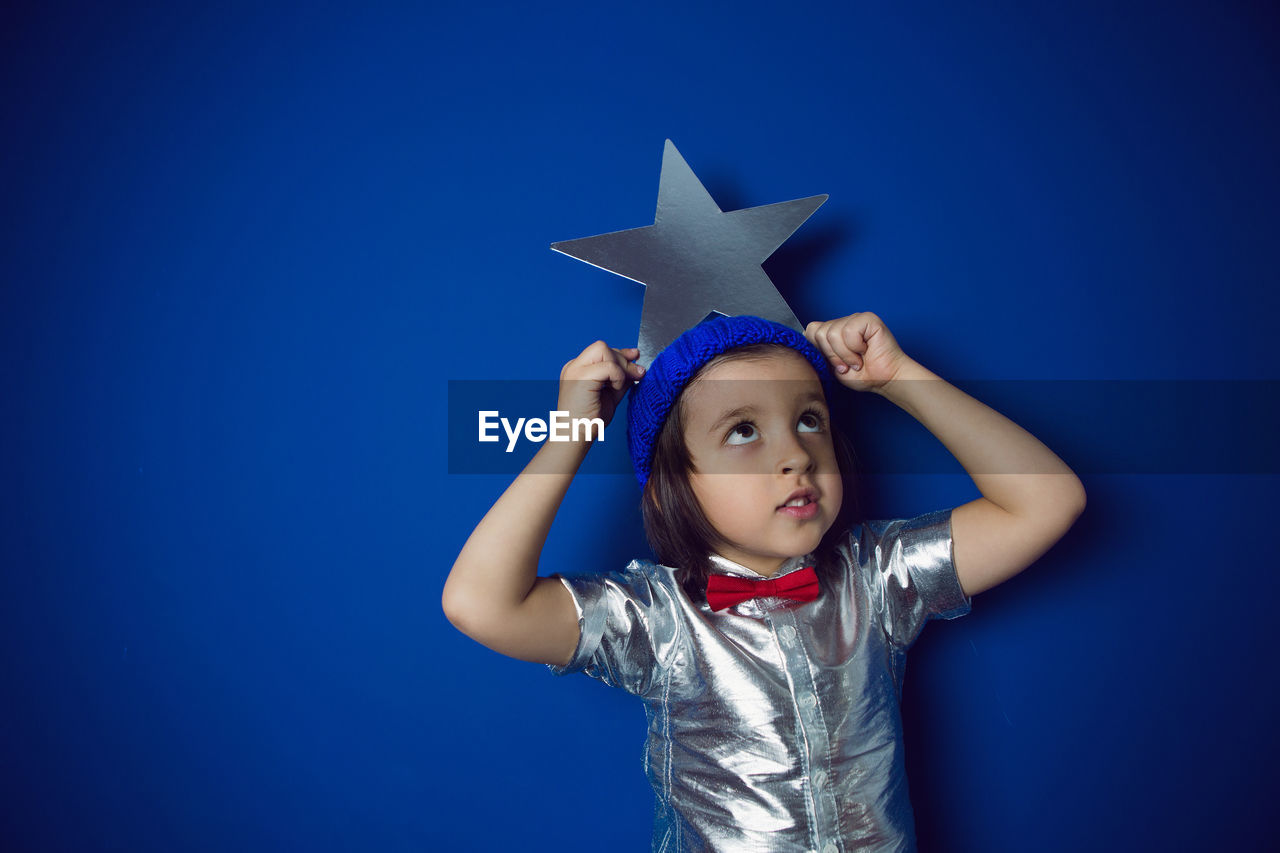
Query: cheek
x,y
833,486
830,481
715,494
725,500
704,495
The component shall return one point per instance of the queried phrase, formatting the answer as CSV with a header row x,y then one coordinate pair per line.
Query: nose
x,y
794,457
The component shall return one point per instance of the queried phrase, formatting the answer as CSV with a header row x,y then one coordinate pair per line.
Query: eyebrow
x,y
731,415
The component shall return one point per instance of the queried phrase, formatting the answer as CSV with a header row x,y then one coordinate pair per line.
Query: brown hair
x,y
674,523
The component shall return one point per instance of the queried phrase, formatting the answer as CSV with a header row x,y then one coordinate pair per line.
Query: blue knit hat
x,y
652,398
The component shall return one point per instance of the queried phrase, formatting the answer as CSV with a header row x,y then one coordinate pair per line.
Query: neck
x,y
765,569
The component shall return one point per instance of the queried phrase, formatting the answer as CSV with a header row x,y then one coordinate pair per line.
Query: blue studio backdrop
x,y
246,250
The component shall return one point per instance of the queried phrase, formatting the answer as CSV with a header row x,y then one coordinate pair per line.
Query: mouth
x,y
801,504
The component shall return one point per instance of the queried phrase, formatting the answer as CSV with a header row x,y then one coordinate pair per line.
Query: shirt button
x,y
830,847
787,633
819,778
808,700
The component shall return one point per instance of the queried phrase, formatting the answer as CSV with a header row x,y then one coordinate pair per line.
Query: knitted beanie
x,y
652,398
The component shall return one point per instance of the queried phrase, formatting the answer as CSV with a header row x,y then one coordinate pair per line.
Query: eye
x,y
743,433
810,422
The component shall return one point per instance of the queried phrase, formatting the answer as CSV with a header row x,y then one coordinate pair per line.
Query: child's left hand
x,y
860,348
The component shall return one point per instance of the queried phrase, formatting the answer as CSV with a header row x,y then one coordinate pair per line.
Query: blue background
x,y
245,249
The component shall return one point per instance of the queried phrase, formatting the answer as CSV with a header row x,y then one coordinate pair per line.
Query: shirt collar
x,y
722,566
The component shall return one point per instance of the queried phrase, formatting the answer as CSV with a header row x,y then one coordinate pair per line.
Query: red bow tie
x,y
727,590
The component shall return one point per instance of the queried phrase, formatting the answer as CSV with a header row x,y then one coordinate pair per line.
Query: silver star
x,y
695,259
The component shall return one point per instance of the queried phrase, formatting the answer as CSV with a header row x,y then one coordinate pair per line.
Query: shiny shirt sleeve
x,y
913,574
626,627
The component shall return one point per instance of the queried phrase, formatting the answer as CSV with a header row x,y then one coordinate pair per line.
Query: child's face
x,y
759,436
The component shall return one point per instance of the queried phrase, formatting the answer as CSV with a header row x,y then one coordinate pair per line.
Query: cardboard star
x,y
696,259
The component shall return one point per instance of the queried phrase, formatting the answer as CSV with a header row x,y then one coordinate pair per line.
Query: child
x,y
769,646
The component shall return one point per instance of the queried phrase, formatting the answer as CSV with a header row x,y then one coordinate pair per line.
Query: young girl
x,y
769,644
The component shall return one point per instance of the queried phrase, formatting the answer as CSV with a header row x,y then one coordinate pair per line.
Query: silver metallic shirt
x,y
774,724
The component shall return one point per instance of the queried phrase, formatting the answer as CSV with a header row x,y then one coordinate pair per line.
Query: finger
x,y
608,373
583,368
811,331
597,352
625,359
619,378
827,337
867,327
848,344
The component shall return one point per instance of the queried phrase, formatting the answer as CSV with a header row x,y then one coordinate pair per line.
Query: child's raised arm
x,y
493,593
1030,498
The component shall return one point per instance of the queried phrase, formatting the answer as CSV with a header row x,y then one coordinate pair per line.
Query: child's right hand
x,y
592,385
